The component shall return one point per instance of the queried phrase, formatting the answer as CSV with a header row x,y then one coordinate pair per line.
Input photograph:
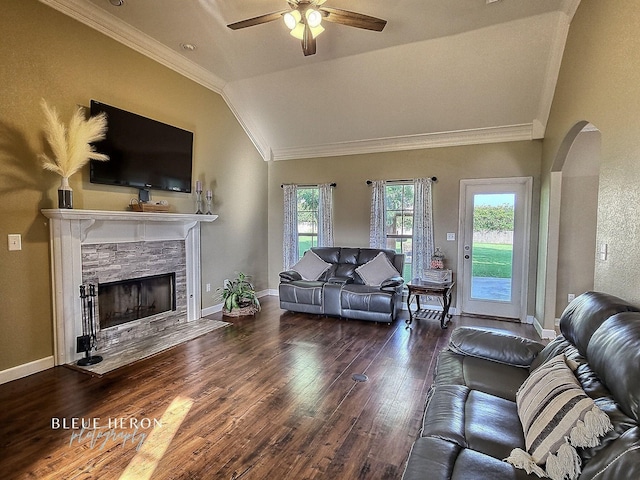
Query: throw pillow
x,y
311,266
557,416
376,271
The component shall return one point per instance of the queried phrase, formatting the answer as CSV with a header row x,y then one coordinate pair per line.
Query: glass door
x,y
495,224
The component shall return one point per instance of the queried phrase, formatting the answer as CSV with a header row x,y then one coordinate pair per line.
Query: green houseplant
x,y
239,297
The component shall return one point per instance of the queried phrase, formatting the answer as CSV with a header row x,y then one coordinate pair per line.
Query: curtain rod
x,y
433,179
315,185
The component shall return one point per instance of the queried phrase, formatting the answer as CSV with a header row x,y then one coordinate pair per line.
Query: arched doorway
x,y
573,206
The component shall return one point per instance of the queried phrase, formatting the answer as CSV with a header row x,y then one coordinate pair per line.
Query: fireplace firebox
x,y
127,300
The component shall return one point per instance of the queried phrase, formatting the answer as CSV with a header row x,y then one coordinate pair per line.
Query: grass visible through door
x,y
492,260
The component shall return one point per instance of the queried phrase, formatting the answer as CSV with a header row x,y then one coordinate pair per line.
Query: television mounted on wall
x,y
143,153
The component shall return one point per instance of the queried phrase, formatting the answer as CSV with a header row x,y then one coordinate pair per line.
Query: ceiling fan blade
x,y
353,19
250,22
308,42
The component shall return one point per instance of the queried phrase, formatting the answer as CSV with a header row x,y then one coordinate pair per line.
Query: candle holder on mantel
x,y
209,199
87,341
199,197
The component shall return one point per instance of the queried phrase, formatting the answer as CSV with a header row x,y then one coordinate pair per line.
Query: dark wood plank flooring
x,y
271,396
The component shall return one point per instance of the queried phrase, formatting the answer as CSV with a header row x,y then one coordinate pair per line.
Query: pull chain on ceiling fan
x,y
304,20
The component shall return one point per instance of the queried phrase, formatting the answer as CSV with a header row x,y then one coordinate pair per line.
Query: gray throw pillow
x,y
376,271
311,266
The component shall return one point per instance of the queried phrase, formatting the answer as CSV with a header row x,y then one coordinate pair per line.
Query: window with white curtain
x,y
308,222
402,220
308,199
399,221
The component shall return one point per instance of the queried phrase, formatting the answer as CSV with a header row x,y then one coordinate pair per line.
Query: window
x,y
308,202
399,221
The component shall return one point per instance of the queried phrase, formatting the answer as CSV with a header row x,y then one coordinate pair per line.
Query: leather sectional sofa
x,y
471,423
341,290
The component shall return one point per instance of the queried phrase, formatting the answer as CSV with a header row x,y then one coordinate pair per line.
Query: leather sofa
x,y
471,422
341,291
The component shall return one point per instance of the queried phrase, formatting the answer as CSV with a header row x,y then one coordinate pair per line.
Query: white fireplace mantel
x,y
70,229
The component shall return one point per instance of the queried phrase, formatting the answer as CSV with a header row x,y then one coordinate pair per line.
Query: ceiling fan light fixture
x,y
298,31
292,19
314,17
315,31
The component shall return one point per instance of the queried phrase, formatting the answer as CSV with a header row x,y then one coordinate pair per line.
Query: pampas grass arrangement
x,y
71,146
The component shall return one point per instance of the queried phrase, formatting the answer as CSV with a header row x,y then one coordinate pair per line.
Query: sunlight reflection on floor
x,y
146,460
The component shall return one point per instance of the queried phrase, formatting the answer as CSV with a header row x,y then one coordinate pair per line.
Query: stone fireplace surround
x,y
92,246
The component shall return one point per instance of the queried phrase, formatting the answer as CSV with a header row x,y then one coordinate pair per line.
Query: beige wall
x,y
599,83
352,195
578,218
44,54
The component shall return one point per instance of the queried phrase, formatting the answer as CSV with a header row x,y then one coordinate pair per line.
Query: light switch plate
x,y
15,241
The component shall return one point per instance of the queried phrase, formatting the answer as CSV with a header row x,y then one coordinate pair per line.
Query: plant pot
x,y
65,194
240,311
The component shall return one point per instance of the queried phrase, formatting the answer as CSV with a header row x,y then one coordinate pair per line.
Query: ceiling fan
x,y
304,20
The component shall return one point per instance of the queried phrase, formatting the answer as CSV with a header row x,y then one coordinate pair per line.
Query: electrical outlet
x,y
603,251
451,237
208,287
14,241
571,297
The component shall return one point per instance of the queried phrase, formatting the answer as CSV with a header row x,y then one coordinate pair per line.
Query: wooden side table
x,y
421,287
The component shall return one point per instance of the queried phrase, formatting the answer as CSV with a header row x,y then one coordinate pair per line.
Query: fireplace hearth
x,y
127,300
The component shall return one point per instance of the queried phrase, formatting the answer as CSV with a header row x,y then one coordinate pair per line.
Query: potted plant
x,y
239,297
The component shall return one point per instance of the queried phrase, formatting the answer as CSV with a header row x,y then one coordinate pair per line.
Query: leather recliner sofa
x,y
340,291
471,422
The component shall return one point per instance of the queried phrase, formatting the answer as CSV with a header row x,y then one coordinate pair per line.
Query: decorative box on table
x,y
438,275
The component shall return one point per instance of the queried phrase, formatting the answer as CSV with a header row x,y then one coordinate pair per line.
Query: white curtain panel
x,y
290,237
422,226
377,234
325,216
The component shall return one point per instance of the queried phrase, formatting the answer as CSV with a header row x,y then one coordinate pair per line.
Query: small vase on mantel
x,y
65,194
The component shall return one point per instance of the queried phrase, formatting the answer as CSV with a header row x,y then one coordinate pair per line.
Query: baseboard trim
x,y
218,307
544,333
21,371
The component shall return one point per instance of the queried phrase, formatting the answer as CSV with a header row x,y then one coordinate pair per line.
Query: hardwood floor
x,y
270,396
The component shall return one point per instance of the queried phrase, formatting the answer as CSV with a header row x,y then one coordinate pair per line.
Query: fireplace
x,y
100,247
124,301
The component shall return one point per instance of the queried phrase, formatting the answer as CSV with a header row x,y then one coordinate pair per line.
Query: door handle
x,y
467,257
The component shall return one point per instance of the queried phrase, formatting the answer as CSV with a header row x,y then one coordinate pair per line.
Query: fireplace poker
x,y
87,341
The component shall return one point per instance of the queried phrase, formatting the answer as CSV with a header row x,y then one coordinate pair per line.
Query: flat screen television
x,y
143,153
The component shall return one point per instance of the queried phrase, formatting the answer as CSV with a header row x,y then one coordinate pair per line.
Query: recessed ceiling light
x,y
190,47
116,3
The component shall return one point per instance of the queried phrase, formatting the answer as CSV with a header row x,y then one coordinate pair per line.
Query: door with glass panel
x,y
494,248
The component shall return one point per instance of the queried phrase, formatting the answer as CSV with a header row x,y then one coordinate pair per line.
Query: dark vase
x,y
65,194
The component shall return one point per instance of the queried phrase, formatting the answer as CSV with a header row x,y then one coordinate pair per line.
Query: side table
x,y
421,287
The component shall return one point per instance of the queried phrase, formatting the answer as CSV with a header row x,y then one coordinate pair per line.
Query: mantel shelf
x,y
106,215
103,226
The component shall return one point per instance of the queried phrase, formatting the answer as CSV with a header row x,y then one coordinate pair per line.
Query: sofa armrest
x,y
290,276
392,283
340,280
494,345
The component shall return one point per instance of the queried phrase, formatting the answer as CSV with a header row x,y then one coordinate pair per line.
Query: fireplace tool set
x,y
87,341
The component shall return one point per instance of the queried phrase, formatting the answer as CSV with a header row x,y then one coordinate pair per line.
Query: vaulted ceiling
x,y
441,73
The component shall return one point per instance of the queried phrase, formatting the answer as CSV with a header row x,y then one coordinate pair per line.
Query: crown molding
x,y
249,127
96,18
509,133
558,44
